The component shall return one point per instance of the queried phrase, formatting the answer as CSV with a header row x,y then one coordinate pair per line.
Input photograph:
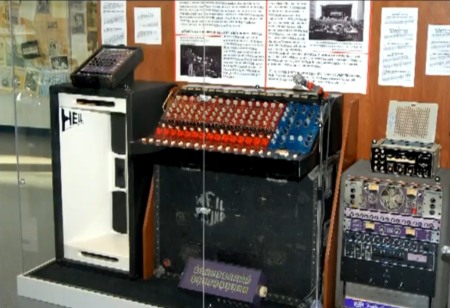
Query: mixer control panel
x,y
277,124
405,158
392,197
398,252
388,262
108,67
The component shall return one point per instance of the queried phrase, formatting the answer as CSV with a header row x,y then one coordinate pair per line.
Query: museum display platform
x,y
73,285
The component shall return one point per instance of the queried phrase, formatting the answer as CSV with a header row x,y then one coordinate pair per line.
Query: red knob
x,y
248,140
217,137
240,139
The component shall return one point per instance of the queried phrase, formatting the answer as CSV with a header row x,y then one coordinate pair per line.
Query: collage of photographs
x,y
35,61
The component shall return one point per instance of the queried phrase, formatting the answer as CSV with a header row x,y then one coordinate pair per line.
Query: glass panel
x,y
10,235
260,204
49,40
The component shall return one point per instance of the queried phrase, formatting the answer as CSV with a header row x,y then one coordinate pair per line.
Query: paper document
x,y
398,47
266,43
114,22
147,25
438,50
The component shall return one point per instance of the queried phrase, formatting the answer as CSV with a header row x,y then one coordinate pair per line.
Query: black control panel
x,y
395,251
108,67
391,231
405,158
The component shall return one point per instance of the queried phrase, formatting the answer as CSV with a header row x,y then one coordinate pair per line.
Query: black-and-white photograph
x,y
52,25
5,77
15,11
43,7
336,20
59,63
2,52
54,48
76,5
91,9
199,61
78,23
32,80
92,41
30,49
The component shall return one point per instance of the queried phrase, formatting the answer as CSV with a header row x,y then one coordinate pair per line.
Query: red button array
x,y
212,139
221,112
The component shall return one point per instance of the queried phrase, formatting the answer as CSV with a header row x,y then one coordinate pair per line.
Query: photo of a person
x,y
190,57
54,48
76,5
52,25
60,63
43,7
197,61
92,41
91,18
78,26
31,80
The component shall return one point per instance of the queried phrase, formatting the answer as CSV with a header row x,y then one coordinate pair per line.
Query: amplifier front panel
x,y
248,225
391,231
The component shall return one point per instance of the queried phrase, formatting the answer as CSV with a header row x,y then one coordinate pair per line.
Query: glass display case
x,y
142,193
40,44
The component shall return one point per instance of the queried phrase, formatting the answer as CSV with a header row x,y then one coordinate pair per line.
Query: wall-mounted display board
x,y
160,64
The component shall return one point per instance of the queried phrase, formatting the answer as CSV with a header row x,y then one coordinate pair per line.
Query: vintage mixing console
x,y
277,125
226,158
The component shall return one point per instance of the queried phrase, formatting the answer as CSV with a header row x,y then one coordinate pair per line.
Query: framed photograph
x,y
78,25
60,63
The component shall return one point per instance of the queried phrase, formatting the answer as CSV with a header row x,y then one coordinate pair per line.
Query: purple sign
x,y
224,280
359,303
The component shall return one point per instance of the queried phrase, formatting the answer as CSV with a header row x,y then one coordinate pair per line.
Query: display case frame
x,y
78,283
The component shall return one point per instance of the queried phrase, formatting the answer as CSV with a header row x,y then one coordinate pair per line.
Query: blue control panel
x,y
297,129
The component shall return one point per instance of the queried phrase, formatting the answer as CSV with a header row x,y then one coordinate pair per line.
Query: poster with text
x,y
265,43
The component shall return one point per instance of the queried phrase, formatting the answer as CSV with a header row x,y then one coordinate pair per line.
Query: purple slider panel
x,y
391,230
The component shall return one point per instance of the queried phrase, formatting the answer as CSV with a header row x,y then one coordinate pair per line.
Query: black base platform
x,y
155,292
